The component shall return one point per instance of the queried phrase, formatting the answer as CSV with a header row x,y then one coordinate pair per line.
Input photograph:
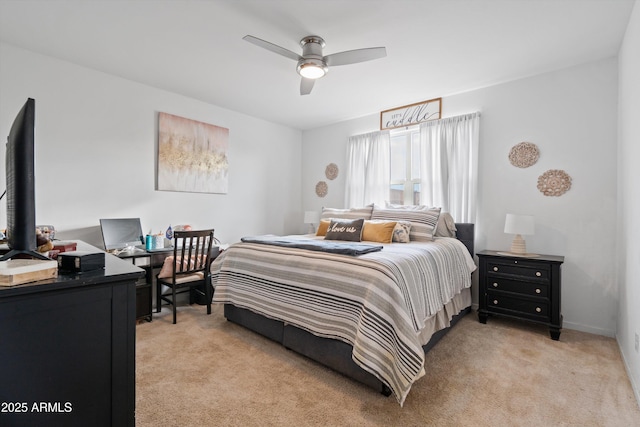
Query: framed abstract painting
x,y
192,155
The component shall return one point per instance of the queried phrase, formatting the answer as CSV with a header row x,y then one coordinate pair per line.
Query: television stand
x,y
22,254
67,348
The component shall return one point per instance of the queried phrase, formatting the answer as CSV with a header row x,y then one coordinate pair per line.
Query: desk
x,y
144,290
70,342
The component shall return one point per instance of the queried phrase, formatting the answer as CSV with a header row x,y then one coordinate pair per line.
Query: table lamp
x,y
519,225
312,218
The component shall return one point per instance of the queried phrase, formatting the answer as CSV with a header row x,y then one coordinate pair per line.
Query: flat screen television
x,y
20,177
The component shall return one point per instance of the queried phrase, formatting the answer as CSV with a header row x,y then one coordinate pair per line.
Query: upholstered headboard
x,y
465,232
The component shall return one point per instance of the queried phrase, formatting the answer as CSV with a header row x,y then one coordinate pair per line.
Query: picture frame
x,y
411,114
192,156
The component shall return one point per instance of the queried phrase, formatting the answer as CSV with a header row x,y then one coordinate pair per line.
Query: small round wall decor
x,y
554,182
331,171
322,188
524,154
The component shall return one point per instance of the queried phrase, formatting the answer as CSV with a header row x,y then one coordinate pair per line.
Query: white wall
x,y
571,116
629,200
96,138
321,147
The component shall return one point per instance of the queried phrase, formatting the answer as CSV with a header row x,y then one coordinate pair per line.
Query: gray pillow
x,y
423,219
349,230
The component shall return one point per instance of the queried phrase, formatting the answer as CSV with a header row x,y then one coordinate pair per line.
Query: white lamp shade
x,y
519,224
311,217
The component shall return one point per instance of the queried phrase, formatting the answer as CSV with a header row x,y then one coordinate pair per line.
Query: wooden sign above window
x,y
411,114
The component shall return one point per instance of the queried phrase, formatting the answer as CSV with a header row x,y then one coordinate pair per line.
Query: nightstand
x,y
522,288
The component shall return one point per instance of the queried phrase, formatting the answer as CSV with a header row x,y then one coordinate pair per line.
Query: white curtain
x,y
449,165
368,169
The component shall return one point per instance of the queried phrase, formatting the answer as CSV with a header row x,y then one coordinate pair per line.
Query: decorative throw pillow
x,y
167,266
352,213
423,219
322,227
378,231
401,232
343,229
446,226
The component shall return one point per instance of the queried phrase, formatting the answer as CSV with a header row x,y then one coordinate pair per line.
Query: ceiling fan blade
x,y
306,85
272,47
355,56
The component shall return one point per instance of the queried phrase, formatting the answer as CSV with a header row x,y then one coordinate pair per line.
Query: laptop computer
x,y
125,235
121,233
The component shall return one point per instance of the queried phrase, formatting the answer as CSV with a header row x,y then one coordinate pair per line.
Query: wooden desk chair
x,y
192,254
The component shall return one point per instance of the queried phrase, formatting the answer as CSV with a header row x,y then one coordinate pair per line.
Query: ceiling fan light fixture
x,y
312,68
313,64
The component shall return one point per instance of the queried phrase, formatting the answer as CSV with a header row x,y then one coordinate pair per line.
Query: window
x,y
405,167
432,164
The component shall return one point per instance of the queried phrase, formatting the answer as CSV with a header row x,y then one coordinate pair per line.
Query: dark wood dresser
x,y
67,348
522,288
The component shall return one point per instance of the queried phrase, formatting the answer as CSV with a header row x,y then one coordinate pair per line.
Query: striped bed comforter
x,y
377,302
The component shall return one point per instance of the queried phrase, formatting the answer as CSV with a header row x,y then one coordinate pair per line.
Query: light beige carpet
x,y
205,371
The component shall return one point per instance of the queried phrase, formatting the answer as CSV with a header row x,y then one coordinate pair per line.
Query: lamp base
x,y
518,248
518,245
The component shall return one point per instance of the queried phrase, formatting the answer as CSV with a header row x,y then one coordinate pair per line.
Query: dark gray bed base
x,y
332,353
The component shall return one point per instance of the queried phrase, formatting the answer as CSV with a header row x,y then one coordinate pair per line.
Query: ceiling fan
x,y
312,64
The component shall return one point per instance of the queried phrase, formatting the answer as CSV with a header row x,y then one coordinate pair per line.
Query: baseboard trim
x,y
635,387
571,325
589,329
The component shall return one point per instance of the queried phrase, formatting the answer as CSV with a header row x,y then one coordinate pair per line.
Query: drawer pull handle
x,y
538,290
495,268
495,302
538,274
495,285
538,309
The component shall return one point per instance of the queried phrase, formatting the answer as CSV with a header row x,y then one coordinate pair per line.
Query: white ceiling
x,y
434,47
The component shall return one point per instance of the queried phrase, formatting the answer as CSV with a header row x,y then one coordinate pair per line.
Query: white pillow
x,y
352,213
446,226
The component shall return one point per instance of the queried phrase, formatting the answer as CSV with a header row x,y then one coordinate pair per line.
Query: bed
x,y
368,316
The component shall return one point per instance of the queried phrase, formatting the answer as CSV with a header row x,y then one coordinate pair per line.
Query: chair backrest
x,y
192,251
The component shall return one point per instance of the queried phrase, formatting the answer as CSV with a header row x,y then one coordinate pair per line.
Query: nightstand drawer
x,y
496,283
533,309
518,268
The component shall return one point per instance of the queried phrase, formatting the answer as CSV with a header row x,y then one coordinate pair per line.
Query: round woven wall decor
x,y
322,188
524,154
331,171
554,182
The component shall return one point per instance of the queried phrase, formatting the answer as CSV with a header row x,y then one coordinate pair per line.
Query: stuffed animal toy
x,y
43,242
